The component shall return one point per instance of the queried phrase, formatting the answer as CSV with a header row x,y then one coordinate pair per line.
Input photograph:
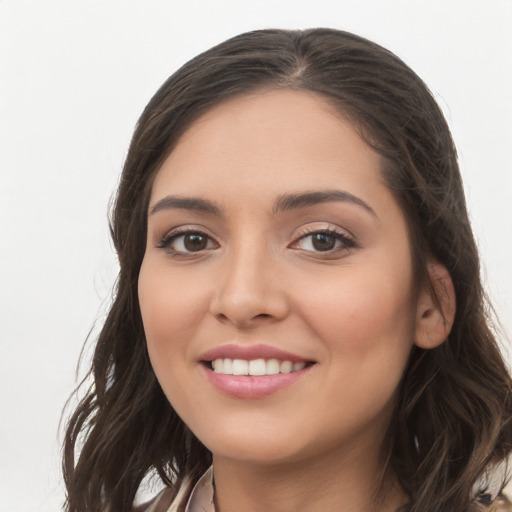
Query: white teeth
x,y
228,366
218,365
240,367
286,367
256,367
272,367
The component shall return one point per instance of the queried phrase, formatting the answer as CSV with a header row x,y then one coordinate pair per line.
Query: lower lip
x,y
248,386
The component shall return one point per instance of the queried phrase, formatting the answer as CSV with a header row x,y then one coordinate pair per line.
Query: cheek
x,y
171,308
365,318
367,327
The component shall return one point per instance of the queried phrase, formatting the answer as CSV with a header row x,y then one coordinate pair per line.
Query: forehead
x,y
269,140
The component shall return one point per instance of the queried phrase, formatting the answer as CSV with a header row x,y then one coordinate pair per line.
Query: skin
x,y
353,310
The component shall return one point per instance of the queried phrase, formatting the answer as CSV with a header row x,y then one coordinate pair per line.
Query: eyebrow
x,y
283,203
293,201
186,203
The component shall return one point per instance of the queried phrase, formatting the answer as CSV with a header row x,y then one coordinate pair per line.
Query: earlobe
x,y
436,308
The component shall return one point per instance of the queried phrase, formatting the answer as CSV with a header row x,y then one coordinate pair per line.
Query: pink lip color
x,y
248,386
250,352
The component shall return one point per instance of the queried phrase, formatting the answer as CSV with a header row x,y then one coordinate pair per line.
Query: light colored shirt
x,y
200,498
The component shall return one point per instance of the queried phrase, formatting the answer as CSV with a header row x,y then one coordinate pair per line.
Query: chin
x,y
258,446
258,454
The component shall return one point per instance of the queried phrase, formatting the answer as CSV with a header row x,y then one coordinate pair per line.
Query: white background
x,y
75,75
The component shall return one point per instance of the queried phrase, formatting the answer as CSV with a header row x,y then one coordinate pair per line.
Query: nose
x,y
249,289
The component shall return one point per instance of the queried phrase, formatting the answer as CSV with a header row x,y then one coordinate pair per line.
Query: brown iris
x,y
195,242
323,241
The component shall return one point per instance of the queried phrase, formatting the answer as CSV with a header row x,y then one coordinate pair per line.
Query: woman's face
x,y
274,246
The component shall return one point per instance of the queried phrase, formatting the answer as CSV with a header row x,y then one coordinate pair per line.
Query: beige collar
x,y
200,499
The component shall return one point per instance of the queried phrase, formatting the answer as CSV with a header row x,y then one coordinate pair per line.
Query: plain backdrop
x,y
75,75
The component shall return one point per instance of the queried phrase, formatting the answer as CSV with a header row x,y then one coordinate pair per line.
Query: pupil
x,y
195,242
323,242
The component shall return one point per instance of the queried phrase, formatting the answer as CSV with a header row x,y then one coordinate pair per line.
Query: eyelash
x,y
347,243
170,237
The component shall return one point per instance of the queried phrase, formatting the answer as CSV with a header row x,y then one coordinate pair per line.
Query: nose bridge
x,y
248,285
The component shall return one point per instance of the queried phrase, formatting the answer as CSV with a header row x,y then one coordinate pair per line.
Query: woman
x,y
299,301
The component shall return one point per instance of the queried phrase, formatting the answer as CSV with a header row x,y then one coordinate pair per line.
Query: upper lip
x,y
251,352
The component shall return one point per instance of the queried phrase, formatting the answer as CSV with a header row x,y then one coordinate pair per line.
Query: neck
x,y
352,481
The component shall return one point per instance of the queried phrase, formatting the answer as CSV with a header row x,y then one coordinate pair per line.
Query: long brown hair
x,y
452,415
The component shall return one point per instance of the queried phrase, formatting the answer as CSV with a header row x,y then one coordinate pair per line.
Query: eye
x,y
187,242
324,241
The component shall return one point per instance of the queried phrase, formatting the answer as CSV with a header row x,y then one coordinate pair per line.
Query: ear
x,y
436,308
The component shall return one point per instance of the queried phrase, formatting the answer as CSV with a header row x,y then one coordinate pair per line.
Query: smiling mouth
x,y
255,367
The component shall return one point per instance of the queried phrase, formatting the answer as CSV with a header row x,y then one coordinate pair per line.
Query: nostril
x,y
246,310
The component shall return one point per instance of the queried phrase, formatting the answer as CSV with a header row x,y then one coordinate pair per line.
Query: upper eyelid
x,y
299,233
167,241
319,227
184,229
169,236
341,236
348,240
